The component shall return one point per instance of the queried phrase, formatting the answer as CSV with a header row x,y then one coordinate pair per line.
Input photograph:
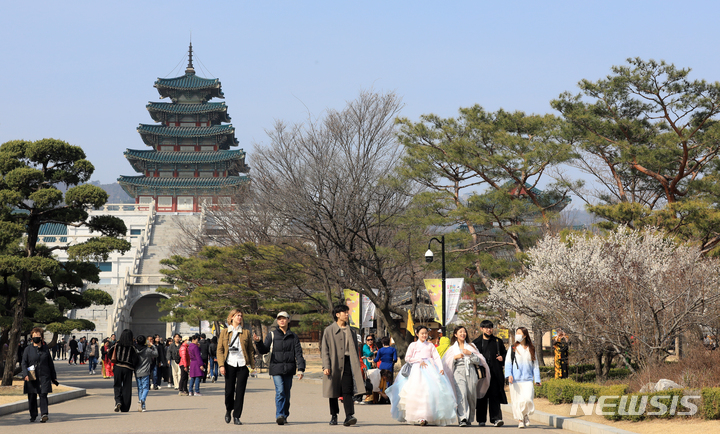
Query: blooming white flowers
x,y
632,290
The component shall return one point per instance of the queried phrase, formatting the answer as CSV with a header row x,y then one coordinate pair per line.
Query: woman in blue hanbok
x,y
422,394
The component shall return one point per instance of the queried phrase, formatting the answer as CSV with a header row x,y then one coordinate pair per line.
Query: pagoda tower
x,y
190,162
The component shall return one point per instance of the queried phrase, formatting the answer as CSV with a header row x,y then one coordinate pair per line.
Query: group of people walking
x,y
460,386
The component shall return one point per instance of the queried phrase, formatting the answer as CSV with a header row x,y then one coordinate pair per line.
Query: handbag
x,y
480,371
113,358
405,370
31,375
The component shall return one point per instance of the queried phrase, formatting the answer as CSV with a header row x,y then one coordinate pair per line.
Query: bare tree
x,y
330,182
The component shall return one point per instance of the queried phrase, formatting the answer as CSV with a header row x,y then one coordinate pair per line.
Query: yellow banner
x,y
434,289
352,300
410,324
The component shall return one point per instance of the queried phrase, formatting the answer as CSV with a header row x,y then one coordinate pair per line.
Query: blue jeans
x,y
143,385
155,373
283,383
194,381
213,368
92,363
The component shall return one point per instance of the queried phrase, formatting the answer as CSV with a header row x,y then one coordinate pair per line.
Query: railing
x,y
120,302
145,239
147,279
125,207
123,288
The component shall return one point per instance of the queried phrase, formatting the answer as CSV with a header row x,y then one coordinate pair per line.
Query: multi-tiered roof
x,y
190,160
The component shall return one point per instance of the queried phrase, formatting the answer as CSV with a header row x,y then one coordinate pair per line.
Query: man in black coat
x,y
72,360
204,345
285,358
38,371
493,349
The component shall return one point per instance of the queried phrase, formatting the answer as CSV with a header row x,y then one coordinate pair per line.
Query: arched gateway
x,y
145,317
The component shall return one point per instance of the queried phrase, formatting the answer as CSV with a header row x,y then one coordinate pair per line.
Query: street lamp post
x,y
428,259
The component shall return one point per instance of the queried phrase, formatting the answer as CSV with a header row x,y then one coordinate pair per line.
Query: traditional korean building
x,y
190,162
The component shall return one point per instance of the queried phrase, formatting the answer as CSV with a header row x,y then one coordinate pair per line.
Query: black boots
x,y
350,420
227,417
333,419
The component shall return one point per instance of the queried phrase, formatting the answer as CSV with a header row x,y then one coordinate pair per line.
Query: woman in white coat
x,y
470,374
521,369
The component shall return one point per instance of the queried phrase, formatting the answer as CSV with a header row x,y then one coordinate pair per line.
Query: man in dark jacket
x,y
73,351
493,349
204,345
285,358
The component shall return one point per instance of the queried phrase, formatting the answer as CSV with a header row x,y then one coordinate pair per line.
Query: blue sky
x,y
83,71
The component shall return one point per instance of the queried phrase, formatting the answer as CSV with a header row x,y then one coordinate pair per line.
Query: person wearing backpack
x,y
286,357
521,369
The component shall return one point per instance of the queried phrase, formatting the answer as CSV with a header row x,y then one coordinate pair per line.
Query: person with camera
x,y
235,353
38,371
286,356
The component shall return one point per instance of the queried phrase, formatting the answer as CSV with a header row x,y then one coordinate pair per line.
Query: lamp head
x,y
429,256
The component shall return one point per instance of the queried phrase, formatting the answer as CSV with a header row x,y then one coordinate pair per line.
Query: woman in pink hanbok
x,y
422,394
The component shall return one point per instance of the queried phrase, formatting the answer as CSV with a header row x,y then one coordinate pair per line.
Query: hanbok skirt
x,y
423,395
521,396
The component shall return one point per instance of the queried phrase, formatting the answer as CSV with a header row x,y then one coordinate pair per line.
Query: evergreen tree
x,y
30,196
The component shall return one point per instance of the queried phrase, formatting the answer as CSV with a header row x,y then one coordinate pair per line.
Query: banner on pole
x,y
410,324
434,289
352,300
453,287
368,311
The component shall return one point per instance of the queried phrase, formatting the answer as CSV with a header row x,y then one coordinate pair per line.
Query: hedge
x,y
711,402
563,391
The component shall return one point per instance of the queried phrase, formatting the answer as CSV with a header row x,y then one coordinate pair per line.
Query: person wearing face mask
x,y
521,369
38,372
423,395
493,349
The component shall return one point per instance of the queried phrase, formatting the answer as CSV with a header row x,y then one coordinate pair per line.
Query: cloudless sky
x,y
83,71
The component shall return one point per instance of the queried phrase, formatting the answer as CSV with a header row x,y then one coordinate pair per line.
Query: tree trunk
x,y
394,331
608,357
538,333
18,316
598,365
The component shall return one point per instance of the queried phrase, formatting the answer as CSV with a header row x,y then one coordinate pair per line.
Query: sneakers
x,y
280,420
117,407
521,425
44,418
422,422
198,394
526,420
499,423
144,409
192,393
140,409
463,422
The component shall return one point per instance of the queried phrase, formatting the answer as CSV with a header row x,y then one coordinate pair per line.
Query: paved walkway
x,y
170,413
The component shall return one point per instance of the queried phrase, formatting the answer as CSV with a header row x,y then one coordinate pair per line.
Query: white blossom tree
x,y
630,291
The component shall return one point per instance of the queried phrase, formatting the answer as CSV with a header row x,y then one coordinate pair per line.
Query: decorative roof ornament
x,y
190,69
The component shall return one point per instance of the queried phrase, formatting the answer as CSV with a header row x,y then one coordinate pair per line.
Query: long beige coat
x,y
332,349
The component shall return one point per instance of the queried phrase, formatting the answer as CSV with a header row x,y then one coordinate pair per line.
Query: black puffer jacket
x,y
286,356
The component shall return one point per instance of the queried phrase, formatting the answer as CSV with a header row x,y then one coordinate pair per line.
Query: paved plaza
x,y
170,413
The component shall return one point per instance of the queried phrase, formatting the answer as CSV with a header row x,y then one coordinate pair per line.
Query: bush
x,y
563,391
711,402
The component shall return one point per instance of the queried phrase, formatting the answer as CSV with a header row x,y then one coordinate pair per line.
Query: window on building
x,y
135,232
187,148
164,201
185,203
104,266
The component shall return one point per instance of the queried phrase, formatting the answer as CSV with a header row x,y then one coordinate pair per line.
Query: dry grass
x,y
680,425
14,393
697,369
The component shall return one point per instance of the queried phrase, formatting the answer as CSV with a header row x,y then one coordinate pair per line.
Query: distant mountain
x,y
578,217
115,192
